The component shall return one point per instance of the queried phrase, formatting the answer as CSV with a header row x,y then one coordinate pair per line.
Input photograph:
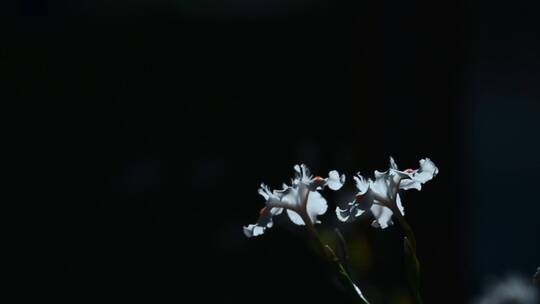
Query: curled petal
x,y
350,213
361,184
393,164
427,171
383,216
273,199
334,180
394,171
343,214
295,217
253,230
264,191
316,205
406,184
303,174
305,171
353,210
265,221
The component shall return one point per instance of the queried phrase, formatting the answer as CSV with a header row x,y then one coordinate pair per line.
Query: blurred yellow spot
x,y
360,252
402,297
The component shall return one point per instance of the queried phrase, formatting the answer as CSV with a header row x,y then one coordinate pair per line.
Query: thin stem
x,y
407,228
412,261
329,253
343,254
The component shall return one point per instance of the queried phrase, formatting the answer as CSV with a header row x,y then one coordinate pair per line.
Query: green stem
x,y
407,228
342,250
412,263
329,253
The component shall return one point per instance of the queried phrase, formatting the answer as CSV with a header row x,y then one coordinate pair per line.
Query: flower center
x,y
318,178
359,197
409,170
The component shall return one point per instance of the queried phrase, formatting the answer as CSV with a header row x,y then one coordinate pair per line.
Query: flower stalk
x,y
303,203
343,275
412,265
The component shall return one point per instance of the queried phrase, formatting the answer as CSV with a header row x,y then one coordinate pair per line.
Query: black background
x,y
145,129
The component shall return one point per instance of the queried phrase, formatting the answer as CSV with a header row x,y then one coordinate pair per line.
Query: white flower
x,y
381,196
302,200
513,289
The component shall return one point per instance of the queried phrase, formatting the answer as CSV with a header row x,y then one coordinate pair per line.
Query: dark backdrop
x,y
144,130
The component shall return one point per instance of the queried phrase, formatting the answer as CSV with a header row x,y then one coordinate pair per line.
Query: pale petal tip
x,y
381,224
340,214
252,230
295,217
393,164
335,181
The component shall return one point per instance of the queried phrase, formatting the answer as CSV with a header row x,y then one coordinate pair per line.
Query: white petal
x,y
383,216
305,171
379,174
343,214
380,187
316,206
290,198
393,164
352,208
264,191
358,212
399,205
253,230
334,181
427,171
272,198
276,211
406,184
302,173
295,217
265,221
361,184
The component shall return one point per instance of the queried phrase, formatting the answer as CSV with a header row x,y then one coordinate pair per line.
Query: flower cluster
x,y
303,201
381,196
